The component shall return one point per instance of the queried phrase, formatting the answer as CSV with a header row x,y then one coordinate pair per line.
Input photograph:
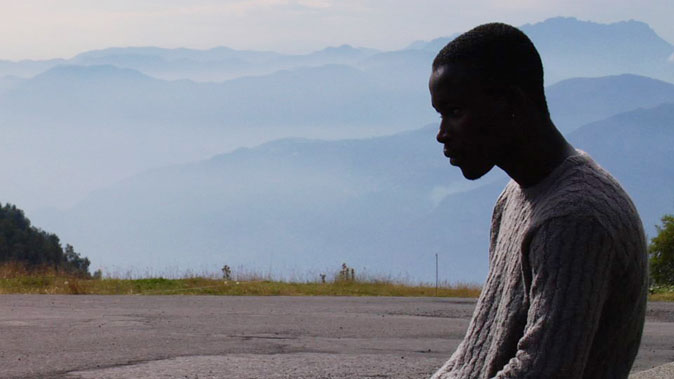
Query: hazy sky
x,y
37,29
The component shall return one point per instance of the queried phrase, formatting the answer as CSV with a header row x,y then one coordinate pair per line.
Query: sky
x,y
41,29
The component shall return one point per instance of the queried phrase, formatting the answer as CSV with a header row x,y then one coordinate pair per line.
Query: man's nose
x,y
443,135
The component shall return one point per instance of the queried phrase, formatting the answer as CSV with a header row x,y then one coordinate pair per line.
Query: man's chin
x,y
473,174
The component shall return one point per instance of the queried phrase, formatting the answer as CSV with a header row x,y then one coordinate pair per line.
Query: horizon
x,y
324,47
45,30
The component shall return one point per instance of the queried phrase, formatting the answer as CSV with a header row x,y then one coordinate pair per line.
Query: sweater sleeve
x,y
566,267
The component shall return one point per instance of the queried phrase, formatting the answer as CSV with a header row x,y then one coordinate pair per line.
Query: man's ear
x,y
507,99
517,100
514,112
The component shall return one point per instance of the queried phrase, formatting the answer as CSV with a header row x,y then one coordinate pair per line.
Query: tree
x,y
661,253
75,263
22,243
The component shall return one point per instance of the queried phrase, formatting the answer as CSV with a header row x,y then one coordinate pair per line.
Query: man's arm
x,y
569,263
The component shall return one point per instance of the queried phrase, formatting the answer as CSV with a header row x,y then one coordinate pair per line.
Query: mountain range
x,y
157,158
75,129
383,204
573,48
569,48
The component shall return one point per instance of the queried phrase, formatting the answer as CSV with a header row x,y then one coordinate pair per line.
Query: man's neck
x,y
537,154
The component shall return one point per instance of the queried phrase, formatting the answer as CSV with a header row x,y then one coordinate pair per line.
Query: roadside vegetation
x,y
18,280
32,249
661,261
661,293
33,261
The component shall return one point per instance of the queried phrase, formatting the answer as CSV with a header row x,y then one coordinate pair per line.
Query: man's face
x,y
474,126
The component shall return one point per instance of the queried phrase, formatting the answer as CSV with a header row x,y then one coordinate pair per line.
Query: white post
x,y
436,274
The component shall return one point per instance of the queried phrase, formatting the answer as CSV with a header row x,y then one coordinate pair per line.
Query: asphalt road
x,y
250,337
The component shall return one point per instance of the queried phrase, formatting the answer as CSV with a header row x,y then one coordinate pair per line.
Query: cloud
x,y
671,58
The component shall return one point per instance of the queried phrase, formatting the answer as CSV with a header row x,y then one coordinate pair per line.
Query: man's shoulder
x,y
583,189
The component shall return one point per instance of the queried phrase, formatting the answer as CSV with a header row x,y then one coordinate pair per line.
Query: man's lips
x,y
453,157
447,152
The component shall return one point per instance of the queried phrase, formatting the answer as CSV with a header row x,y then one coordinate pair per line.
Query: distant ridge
x,y
388,203
570,48
637,148
578,101
69,72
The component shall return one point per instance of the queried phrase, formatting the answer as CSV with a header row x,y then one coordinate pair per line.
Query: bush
x,y
661,253
28,246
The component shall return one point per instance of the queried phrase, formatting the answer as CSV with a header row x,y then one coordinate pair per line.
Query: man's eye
x,y
452,112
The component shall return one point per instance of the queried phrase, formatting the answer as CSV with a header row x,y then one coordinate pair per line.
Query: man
x,y
566,292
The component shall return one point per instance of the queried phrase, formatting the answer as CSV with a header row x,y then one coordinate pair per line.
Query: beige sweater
x,y
567,285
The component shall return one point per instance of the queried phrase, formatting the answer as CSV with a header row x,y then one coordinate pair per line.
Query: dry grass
x,y
19,280
661,293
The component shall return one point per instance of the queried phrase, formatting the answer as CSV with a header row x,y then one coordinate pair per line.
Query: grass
x,y
661,293
18,280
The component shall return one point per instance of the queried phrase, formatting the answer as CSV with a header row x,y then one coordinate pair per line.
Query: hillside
x,y
387,204
26,247
103,115
569,48
573,48
637,148
578,101
87,127
76,128
324,201
326,96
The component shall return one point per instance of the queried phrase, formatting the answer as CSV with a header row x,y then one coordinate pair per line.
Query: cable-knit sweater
x,y
567,285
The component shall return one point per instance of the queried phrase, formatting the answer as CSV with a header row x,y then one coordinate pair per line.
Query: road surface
x,y
79,337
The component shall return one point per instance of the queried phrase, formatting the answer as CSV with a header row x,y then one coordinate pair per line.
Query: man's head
x,y
480,82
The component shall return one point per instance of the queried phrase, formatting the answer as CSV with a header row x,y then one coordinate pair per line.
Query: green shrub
x,y
661,253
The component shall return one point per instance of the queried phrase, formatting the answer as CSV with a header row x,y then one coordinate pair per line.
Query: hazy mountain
x,y
387,204
637,148
569,48
217,64
404,70
338,96
308,204
27,68
76,128
55,123
331,95
575,102
207,55
573,48
8,82
434,45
